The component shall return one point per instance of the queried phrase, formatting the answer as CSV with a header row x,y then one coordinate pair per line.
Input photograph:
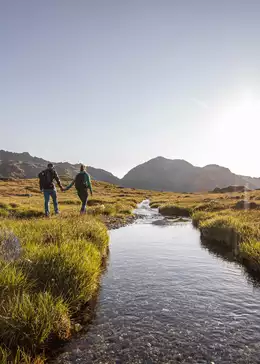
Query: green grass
x,y
57,273
12,281
61,262
250,255
69,271
70,202
239,231
30,320
244,224
14,210
175,210
59,269
20,357
60,266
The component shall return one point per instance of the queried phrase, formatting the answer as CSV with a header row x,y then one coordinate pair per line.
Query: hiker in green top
x,y
82,183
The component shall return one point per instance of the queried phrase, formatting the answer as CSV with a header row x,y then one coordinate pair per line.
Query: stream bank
x,y
166,298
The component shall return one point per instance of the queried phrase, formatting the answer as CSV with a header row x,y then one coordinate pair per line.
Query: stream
x,y
167,299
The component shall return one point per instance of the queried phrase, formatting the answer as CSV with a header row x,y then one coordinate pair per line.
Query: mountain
x,y
178,175
157,174
160,174
23,165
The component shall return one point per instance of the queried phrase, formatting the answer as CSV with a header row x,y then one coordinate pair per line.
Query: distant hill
x,y
178,175
157,174
23,165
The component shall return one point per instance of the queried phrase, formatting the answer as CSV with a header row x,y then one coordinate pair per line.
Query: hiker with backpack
x,y
47,186
82,183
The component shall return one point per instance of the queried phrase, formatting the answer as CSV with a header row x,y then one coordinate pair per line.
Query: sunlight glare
x,y
241,113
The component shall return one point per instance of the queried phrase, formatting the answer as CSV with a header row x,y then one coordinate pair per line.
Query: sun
x,y
239,114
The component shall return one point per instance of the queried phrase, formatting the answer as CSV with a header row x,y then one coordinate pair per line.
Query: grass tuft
x,y
31,320
175,210
69,271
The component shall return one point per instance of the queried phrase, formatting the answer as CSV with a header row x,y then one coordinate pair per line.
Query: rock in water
x,y
10,247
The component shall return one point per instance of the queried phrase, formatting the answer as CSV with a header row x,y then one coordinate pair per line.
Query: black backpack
x,y
80,183
46,179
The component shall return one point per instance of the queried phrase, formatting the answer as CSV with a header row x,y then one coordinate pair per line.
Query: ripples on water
x,y
165,299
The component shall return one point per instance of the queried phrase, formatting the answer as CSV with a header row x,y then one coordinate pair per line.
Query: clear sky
x,y
113,83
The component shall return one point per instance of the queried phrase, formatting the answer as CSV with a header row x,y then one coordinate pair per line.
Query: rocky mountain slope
x,y
156,174
23,165
178,175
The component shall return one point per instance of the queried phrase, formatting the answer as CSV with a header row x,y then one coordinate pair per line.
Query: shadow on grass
x,y
26,214
69,202
17,213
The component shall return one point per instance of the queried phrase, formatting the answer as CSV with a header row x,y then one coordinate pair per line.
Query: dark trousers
x,y
83,195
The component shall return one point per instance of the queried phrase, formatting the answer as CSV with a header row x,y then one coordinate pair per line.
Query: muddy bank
x,y
114,222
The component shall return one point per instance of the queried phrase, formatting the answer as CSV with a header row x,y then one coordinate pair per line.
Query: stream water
x,y
167,299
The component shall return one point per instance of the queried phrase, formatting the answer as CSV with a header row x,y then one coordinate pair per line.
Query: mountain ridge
x,y
23,165
179,175
158,173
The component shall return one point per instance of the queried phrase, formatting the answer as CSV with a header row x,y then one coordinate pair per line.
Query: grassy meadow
x,y
57,271
23,199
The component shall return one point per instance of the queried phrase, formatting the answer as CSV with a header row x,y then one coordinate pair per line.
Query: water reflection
x,y
225,253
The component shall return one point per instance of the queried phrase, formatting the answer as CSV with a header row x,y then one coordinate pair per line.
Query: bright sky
x,y
113,83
